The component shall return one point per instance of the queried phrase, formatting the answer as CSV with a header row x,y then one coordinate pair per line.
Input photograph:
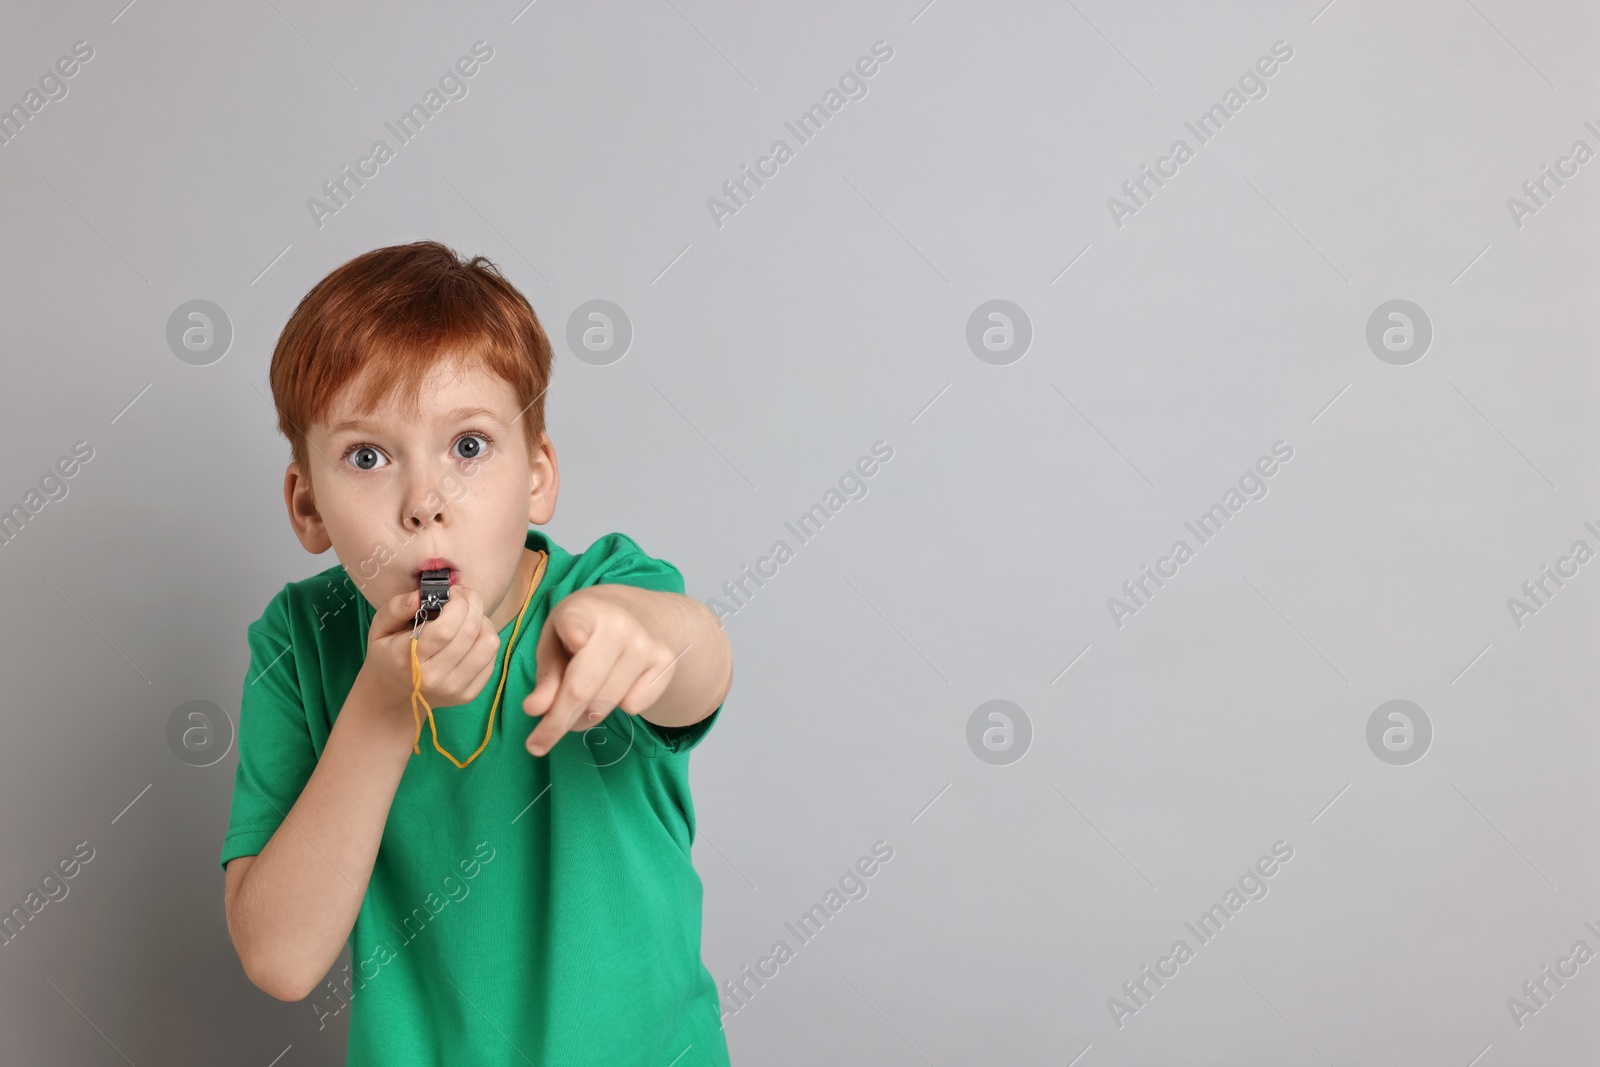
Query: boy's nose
x,y
425,505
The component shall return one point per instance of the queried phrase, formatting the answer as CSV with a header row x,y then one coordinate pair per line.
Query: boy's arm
x,y
291,908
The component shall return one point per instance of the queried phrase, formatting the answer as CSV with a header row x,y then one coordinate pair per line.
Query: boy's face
x,y
394,494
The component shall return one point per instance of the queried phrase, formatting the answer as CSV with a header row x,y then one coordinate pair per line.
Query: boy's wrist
x,y
373,706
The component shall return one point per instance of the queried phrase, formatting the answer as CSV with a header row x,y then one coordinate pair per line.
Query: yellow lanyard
x,y
416,677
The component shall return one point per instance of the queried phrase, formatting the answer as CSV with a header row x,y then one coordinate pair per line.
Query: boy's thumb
x,y
397,613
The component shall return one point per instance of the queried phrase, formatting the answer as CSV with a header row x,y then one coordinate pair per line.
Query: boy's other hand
x,y
594,654
457,651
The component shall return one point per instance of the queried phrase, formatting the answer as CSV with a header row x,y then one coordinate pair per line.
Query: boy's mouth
x,y
438,563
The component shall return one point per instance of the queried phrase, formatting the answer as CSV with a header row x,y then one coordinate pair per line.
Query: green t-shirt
x,y
522,910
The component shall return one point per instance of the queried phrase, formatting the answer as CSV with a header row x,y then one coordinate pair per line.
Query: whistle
x,y
435,591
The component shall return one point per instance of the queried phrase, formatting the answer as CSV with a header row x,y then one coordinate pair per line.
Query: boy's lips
x,y
436,564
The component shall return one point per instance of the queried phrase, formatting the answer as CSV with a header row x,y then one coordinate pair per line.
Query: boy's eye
x,y
471,446
366,458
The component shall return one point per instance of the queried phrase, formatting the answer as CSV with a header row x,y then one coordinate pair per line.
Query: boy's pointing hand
x,y
595,653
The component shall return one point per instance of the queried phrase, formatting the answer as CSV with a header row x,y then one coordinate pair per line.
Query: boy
x,y
505,902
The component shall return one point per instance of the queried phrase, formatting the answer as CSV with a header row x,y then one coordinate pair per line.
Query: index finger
x,y
584,672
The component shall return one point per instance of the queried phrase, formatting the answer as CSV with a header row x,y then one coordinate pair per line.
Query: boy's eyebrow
x,y
450,416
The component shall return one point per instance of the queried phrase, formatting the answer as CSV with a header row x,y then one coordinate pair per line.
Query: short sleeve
x,y
276,756
623,562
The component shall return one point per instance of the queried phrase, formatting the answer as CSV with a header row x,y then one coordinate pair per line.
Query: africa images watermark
x,y
52,486
1252,885
1253,485
1252,85
807,525
342,189
1539,591
331,1001
53,888
1538,992
852,886
1538,191
52,86
852,86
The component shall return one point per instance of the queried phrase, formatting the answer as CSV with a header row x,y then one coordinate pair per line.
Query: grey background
x,y
769,354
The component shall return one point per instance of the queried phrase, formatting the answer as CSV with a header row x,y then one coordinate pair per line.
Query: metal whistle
x,y
435,591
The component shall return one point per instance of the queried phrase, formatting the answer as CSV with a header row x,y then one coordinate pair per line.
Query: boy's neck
x,y
511,604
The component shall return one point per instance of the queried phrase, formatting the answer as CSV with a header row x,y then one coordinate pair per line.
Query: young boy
x,y
510,895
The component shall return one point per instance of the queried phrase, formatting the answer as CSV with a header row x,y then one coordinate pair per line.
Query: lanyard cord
x,y
416,676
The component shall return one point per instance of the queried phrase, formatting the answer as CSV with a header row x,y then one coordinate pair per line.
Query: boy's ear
x,y
544,482
303,514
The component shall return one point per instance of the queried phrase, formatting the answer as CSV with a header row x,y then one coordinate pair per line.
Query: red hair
x,y
387,317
